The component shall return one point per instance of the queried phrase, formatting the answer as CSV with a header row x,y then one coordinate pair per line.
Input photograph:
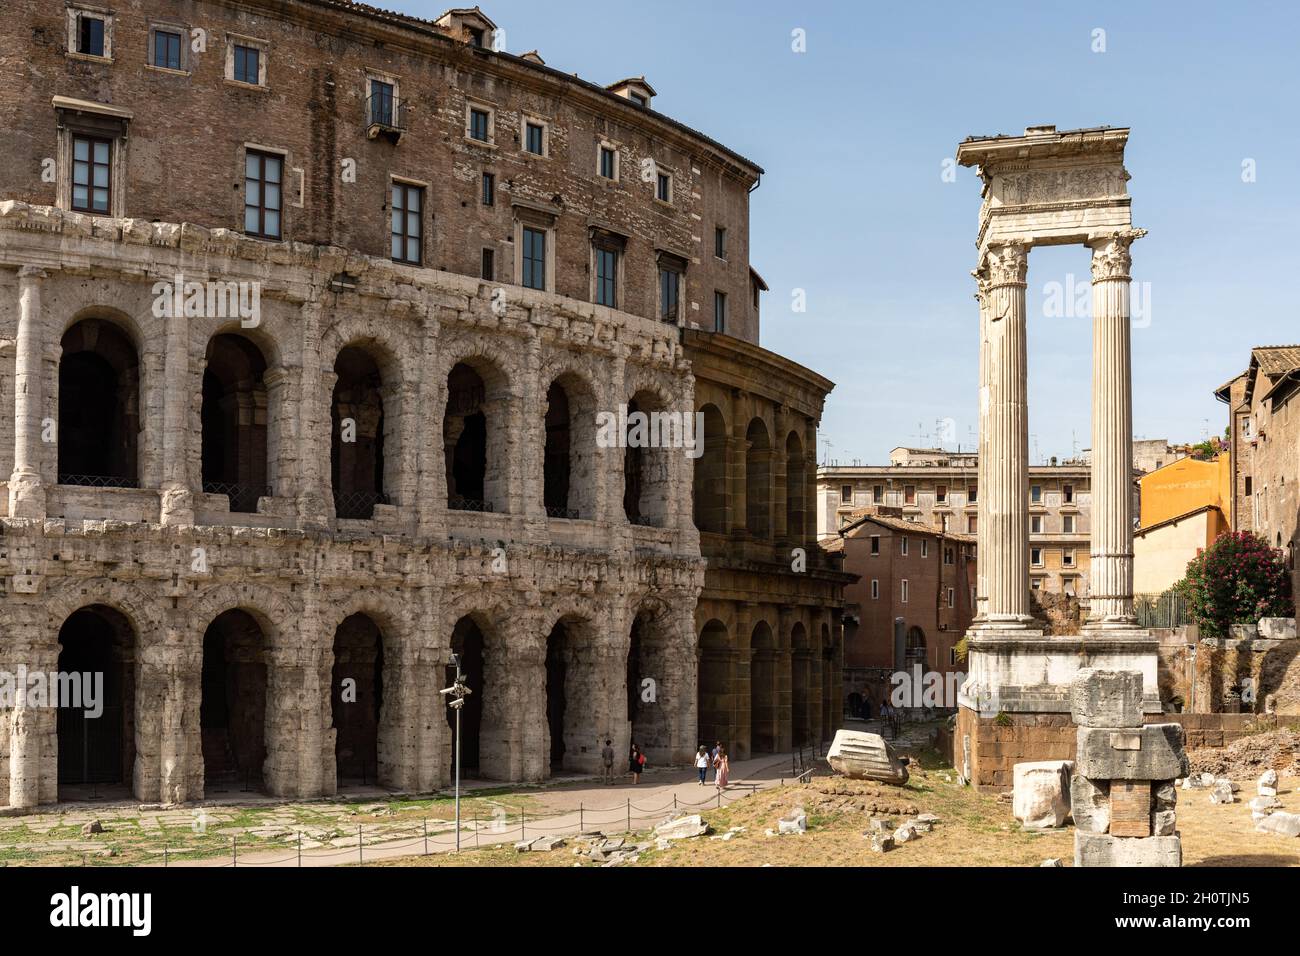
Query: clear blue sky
x,y
853,208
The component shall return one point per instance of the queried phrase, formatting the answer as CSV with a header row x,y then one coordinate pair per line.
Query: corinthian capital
x,y
1111,258
1007,265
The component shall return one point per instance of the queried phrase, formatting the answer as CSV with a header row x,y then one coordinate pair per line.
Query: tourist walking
x,y
713,759
607,756
723,767
702,762
636,763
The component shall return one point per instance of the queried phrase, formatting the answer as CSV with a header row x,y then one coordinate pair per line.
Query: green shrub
x,y
1236,580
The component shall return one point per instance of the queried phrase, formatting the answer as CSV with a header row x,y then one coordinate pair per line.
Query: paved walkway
x,y
583,805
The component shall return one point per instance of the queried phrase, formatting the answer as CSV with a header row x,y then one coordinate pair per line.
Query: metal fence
x,y
1161,610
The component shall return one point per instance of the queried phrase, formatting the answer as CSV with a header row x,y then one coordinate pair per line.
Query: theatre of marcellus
x,y
270,511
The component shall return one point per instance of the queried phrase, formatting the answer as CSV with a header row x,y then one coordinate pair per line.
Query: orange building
x,y
1184,505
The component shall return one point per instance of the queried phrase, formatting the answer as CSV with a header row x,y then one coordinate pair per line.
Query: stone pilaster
x,y
1111,594
985,298
313,431
177,495
1004,457
26,492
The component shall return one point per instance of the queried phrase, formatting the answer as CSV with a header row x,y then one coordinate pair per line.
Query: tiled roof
x,y
860,515
1275,360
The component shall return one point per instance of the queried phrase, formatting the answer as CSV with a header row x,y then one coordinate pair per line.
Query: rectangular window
x,y
846,494
263,202
952,657
489,189
534,258
535,139
1067,524
1036,494
92,174
477,37
608,163
1067,492
972,524
952,597
664,187
479,122
381,102
949,556
909,494
720,242
637,98
875,544
972,494
247,64
1036,557
941,494
925,547
904,540
878,494
166,49
670,287
1067,558
1249,490
1036,525
407,206
90,34
719,311
875,589
904,590
489,269
606,277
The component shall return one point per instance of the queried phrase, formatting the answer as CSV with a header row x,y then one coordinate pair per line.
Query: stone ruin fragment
x,y
1122,793
862,756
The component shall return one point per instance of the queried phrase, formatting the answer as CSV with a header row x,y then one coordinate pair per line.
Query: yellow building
x,y
1184,507
1184,486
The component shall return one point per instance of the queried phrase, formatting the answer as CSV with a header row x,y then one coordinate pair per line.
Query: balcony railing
x,y
358,504
571,513
242,497
385,115
98,481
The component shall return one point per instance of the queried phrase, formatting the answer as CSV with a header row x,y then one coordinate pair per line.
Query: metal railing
x,y
1161,610
457,503
358,504
570,513
385,112
98,481
242,497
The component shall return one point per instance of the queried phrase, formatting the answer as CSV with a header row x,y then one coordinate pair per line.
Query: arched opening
x,y
234,418
357,435
800,689
648,695
557,464
645,462
914,652
710,485
795,488
472,427
357,698
758,480
99,407
763,709
467,645
714,686
95,700
570,467
232,712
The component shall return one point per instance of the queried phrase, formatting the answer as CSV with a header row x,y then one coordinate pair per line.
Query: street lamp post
x,y
457,693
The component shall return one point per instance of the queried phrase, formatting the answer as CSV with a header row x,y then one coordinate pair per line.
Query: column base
x,y
26,496
177,507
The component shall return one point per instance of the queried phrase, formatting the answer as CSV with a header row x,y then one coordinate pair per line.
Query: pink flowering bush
x,y
1237,580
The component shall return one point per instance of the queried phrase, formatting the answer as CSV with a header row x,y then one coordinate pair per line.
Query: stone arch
x,y
796,488
915,650
653,682
362,406
764,717
647,469
569,447
361,674
235,416
99,405
99,652
831,692
758,479
476,433
479,645
574,680
710,482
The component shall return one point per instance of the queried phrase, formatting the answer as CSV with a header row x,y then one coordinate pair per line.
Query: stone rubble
x,y
1041,795
862,756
